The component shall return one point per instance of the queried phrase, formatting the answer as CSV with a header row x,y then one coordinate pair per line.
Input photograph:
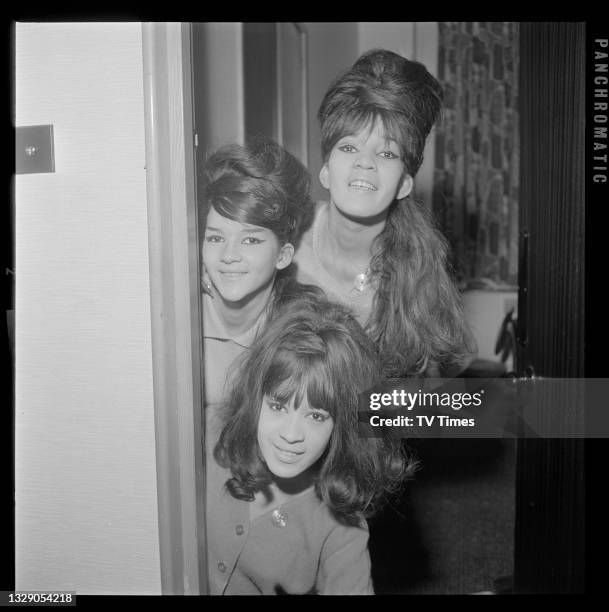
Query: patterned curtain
x,y
475,195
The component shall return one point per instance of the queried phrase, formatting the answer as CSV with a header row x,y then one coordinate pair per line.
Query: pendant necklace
x,y
360,281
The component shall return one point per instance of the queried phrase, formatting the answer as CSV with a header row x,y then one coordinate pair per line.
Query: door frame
x,y
177,357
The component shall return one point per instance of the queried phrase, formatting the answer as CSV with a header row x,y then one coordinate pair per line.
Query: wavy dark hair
x,y
417,319
313,349
260,183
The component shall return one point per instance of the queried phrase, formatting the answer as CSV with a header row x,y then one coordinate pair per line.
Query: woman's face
x,y
241,260
365,173
292,438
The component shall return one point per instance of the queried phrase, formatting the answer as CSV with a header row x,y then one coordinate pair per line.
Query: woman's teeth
x,y
362,185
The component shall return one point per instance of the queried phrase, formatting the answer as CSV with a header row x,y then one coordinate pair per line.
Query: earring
x,y
206,284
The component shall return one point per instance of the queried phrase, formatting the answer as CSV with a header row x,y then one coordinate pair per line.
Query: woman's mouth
x,y
232,275
364,185
287,456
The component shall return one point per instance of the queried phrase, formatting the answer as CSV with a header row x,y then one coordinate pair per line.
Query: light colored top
x,y
311,270
222,349
312,553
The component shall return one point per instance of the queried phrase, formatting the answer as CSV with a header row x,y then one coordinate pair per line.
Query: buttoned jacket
x,y
311,553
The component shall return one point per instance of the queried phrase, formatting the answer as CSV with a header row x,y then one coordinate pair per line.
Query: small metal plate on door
x,y
34,149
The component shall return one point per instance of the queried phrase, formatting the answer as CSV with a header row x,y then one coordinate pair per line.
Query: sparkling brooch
x,y
279,517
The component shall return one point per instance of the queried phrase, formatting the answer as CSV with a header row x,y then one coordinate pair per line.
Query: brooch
x,y
279,517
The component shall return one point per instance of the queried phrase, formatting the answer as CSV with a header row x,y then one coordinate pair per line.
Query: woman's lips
x,y
361,184
232,275
287,456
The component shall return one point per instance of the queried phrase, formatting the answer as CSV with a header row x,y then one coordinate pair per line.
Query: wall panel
x,y
86,504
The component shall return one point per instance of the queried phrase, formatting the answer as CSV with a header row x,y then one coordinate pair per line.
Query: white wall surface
x,y
86,500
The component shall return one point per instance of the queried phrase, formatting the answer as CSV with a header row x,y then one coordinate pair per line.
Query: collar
x,y
214,328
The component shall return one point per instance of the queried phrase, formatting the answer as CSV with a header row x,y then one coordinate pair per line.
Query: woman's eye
x,y
320,417
347,148
251,240
213,238
275,406
389,155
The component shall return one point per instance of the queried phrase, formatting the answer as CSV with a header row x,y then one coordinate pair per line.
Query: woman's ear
x,y
324,177
405,187
286,254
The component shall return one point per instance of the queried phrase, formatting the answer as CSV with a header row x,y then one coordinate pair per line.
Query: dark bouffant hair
x,y
315,350
384,86
417,319
259,183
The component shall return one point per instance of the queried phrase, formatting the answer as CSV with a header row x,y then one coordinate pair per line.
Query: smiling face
x,y
365,173
292,438
241,259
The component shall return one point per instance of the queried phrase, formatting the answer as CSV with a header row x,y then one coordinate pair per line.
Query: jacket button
x,y
221,567
239,529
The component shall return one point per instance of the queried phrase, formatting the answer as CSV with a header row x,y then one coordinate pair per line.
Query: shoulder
x,y
325,522
345,566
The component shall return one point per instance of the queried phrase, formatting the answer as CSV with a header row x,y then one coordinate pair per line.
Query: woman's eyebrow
x,y
245,230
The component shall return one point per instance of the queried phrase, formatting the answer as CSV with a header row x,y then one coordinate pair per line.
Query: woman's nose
x,y
231,252
292,430
365,160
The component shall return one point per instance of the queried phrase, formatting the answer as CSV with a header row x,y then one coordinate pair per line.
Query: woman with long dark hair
x,y
292,481
373,246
